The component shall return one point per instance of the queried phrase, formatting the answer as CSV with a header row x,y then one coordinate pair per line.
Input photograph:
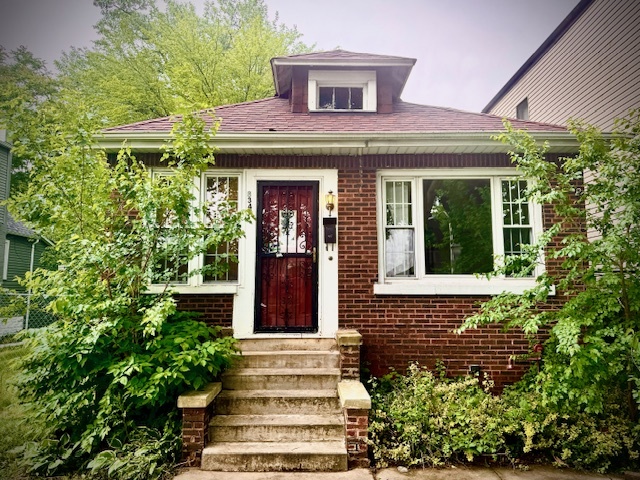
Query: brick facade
x,y
396,329
215,309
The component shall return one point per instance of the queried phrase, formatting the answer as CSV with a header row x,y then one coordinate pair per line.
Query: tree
x,y
105,376
151,63
593,348
25,85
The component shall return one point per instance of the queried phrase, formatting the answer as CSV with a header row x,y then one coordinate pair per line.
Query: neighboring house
x,y
587,69
22,251
422,196
5,179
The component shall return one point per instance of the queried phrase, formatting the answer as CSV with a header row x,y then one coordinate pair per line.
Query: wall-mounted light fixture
x,y
330,201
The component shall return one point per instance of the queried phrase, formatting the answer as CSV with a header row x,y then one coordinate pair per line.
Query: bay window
x,y
441,231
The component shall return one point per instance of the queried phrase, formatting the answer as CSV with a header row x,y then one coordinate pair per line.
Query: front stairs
x,y
279,410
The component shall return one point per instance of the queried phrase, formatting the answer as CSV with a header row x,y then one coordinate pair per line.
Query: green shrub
x,y
108,392
429,420
420,419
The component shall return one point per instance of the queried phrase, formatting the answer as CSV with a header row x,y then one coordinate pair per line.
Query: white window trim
x,y
5,265
365,79
195,283
423,284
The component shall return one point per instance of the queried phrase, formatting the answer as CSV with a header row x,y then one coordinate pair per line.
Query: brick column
x,y
197,410
357,425
195,433
356,403
349,342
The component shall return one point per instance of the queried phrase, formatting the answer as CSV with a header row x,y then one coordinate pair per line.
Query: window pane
x,y
221,261
326,97
399,252
341,95
356,99
398,203
517,229
225,254
515,207
458,237
170,266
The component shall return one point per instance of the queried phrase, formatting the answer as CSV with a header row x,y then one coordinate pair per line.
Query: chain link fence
x,y
20,311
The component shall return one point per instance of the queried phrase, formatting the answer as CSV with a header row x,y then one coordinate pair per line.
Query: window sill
x,y
341,110
200,289
455,286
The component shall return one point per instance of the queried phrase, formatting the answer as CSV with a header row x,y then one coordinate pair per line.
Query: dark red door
x,y
286,264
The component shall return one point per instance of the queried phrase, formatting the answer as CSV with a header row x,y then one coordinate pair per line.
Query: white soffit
x,y
342,143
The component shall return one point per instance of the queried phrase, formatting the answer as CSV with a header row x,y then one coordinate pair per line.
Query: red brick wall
x,y
215,309
398,330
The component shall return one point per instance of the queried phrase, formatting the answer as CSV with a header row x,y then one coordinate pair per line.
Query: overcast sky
x,y
465,49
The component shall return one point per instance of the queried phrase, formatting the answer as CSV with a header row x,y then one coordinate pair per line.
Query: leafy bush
x,y
14,430
421,419
429,420
104,378
106,391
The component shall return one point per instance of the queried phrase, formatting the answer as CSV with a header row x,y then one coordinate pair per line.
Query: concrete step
x,y
264,402
279,344
281,378
275,456
290,359
276,428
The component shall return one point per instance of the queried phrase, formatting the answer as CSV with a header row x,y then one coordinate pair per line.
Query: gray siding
x,y
592,72
20,259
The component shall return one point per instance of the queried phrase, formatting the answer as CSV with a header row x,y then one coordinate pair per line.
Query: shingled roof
x,y
274,115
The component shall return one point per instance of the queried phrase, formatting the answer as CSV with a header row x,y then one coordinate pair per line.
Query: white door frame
x,y
244,300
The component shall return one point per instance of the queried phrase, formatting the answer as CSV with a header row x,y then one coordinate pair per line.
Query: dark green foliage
x,y
594,345
428,420
104,386
104,379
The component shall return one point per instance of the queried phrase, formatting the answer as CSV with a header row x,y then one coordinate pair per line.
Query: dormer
x,y
341,81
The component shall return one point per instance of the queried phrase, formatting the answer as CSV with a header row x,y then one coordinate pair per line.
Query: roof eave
x,y
278,62
345,143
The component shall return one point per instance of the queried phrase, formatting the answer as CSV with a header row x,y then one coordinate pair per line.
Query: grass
x,y
14,429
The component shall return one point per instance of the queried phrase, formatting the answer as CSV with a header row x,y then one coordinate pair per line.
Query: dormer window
x,y
343,91
340,98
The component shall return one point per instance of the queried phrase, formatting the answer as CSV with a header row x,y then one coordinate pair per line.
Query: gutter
x,y
354,143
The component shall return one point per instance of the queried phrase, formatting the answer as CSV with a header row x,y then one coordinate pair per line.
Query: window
x,y
440,229
340,98
221,191
522,110
337,90
217,191
165,266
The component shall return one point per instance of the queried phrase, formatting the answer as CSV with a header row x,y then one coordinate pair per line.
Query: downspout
x,y
31,262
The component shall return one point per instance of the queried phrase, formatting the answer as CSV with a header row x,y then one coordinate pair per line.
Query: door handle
x,y
314,255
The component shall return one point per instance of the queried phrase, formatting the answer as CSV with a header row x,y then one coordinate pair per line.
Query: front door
x,y
286,264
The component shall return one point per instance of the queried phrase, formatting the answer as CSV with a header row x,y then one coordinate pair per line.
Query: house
x,y
372,217
587,69
23,250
